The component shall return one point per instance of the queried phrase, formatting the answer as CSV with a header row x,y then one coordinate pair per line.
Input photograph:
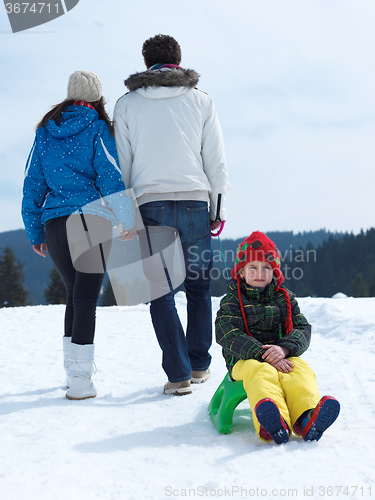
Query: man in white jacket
x,y
171,152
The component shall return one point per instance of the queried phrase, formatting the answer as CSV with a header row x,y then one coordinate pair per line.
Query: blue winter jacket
x,y
72,164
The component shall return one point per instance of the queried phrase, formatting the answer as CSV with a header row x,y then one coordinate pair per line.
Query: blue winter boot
x,y
270,419
315,423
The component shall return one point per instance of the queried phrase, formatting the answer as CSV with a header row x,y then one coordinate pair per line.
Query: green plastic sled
x,y
227,397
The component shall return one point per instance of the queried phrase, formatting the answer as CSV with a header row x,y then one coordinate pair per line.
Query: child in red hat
x,y
263,334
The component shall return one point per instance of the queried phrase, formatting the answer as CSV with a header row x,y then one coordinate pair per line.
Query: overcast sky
x,y
293,82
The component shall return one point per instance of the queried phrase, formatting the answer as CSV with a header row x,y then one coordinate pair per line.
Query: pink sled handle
x,y
220,229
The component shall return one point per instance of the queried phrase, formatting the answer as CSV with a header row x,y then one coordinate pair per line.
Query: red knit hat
x,y
258,247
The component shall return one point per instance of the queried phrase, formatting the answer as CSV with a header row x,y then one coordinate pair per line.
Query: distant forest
x,y
315,263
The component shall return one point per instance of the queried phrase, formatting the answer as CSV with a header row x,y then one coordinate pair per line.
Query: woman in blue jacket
x,y
71,167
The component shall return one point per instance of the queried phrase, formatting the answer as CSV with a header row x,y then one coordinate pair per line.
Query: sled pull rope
x,y
226,273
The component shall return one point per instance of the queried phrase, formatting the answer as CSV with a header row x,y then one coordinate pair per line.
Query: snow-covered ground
x,y
133,442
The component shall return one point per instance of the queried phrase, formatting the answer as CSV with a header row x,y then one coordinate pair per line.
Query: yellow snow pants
x,y
293,392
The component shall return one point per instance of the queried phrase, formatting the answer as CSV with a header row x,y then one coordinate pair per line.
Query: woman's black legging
x,y
82,289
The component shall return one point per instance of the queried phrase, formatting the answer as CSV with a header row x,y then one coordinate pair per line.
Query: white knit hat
x,y
84,86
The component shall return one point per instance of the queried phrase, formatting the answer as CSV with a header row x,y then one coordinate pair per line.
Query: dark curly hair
x,y
161,49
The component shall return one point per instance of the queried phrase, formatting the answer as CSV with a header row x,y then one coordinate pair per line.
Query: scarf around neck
x,y
83,103
160,66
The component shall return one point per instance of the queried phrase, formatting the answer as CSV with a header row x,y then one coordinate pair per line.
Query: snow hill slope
x,y
133,442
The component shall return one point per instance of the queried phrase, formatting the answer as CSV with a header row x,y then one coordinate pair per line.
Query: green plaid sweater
x,y
266,314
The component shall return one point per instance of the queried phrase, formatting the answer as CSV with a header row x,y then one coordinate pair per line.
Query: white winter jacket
x,y
169,139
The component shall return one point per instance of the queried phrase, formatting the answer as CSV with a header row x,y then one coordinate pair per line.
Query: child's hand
x,y
274,353
284,366
275,356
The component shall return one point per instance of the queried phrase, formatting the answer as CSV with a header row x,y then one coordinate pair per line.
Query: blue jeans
x,y
181,353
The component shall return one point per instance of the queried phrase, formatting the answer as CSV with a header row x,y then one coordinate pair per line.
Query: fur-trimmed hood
x,y
164,77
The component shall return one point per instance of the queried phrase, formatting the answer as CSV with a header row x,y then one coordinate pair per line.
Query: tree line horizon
x,y
315,263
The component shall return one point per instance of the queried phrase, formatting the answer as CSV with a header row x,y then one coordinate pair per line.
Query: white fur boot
x,y
66,347
81,362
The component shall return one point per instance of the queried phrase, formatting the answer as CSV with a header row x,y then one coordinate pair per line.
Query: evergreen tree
x,y
55,293
108,297
371,289
12,291
219,286
359,288
302,290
